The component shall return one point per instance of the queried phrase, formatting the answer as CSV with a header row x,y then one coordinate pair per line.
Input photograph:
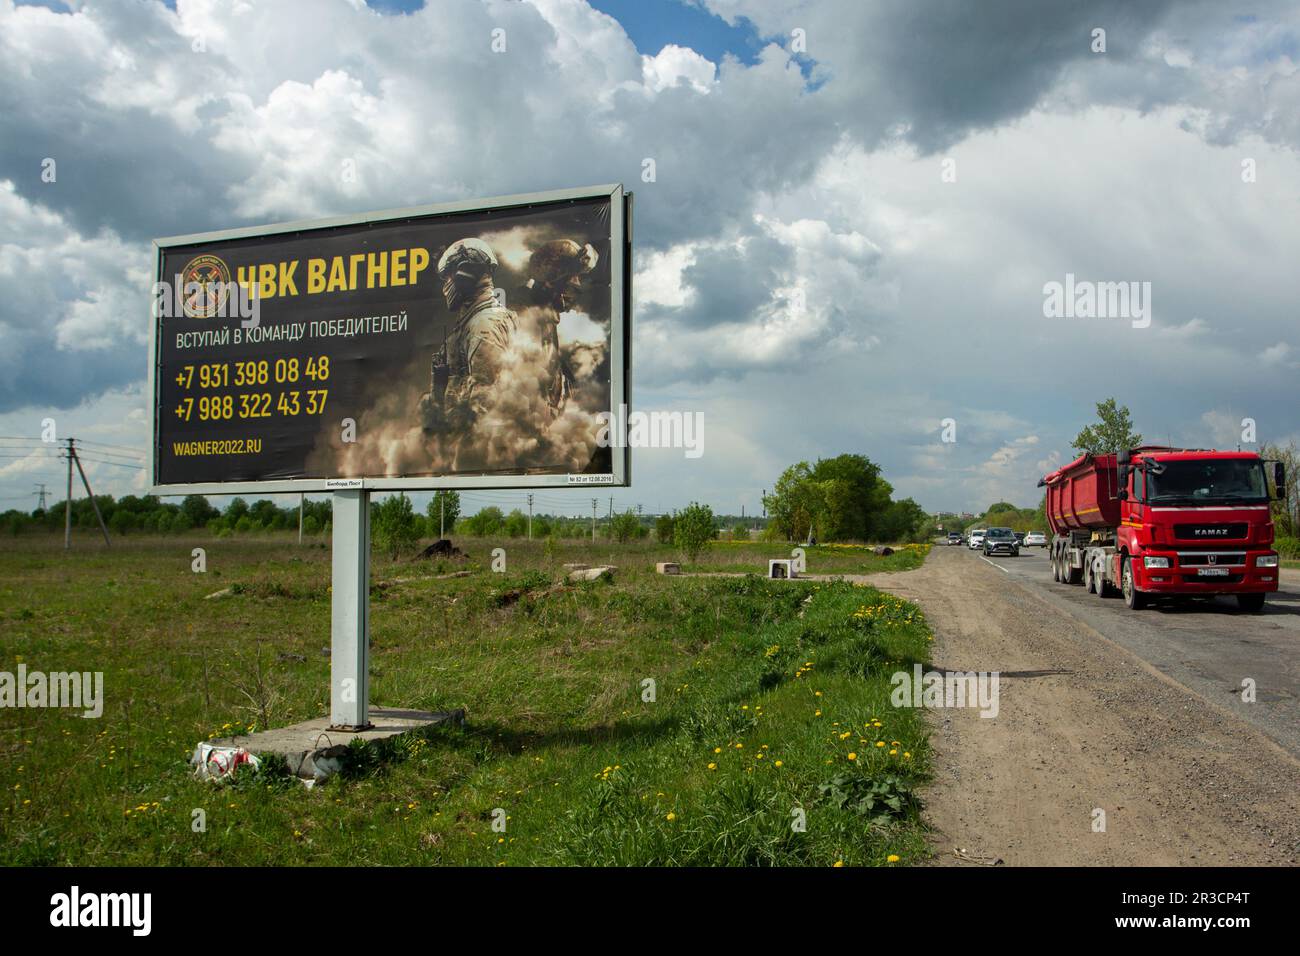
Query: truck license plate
x,y
1212,572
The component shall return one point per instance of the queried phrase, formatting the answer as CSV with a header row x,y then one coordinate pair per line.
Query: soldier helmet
x,y
553,262
467,257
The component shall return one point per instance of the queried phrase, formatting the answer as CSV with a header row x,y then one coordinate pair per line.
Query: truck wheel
x,y
1103,590
1056,569
1254,603
1088,579
1134,598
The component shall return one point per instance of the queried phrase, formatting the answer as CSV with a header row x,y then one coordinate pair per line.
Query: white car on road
x,y
1034,539
976,539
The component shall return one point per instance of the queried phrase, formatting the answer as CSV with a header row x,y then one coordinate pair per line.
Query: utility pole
x,y
611,507
530,517
41,493
301,498
593,519
442,515
67,530
67,503
764,502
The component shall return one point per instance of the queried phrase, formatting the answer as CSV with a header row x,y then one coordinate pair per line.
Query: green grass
x,y
745,557
559,736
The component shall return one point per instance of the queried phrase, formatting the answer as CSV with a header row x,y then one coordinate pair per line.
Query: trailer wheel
x,y
1134,598
1056,567
1252,603
1101,588
1089,579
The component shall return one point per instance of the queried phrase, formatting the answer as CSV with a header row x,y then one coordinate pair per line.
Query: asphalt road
x,y
1206,645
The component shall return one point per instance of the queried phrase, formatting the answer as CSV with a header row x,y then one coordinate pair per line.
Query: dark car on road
x,y
1001,541
954,537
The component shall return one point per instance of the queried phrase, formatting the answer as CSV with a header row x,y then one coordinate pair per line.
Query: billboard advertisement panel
x,y
475,344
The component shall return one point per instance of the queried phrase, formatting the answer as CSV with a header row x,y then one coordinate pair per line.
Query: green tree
x,y
236,510
197,509
693,529
794,503
1113,433
838,499
664,529
392,525
624,526
487,522
516,524
122,521
1286,511
902,521
856,503
444,508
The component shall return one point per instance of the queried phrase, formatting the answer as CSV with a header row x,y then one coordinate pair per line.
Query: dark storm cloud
x,y
732,282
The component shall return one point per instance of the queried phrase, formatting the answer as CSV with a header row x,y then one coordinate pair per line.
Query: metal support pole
x,y
67,504
301,498
91,495
530,517
350,613
442,515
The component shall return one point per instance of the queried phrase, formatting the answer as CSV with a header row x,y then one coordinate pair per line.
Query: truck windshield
x,y
1221,481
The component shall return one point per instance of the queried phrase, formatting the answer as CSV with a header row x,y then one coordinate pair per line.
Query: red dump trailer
x,y
1165,522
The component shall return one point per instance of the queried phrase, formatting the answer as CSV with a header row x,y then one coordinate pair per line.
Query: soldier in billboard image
x,y
466,368
555,272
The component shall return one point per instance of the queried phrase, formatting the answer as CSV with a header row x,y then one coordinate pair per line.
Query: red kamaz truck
x,y
1157,521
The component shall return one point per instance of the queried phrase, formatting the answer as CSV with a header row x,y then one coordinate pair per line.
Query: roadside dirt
x,y
1084,724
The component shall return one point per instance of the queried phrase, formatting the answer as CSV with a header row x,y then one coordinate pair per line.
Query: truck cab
x,y
1198,522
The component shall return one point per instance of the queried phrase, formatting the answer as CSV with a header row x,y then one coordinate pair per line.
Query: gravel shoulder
x,y
1084,724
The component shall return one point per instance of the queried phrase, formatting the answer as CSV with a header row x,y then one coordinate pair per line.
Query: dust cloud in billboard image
x,y
463,344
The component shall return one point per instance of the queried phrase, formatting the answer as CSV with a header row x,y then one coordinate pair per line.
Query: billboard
x,y
480,344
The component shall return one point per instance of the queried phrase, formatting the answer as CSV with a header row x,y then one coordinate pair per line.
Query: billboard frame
x,y
620,349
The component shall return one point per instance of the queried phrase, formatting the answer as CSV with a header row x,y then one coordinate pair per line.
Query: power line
x,y
112,456
87,441
120,464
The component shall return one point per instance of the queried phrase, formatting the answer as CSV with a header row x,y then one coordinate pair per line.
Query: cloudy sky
x,y
854,211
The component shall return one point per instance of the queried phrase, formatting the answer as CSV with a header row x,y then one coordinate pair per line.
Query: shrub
x,y
393,525
625,526
693,529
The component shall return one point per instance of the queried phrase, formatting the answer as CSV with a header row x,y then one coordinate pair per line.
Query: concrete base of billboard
x,y
313,752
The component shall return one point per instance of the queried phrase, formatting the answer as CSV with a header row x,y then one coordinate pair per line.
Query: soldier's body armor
x,y
473,352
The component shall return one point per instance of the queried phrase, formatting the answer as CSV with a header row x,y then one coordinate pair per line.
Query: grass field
x,y
771,702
